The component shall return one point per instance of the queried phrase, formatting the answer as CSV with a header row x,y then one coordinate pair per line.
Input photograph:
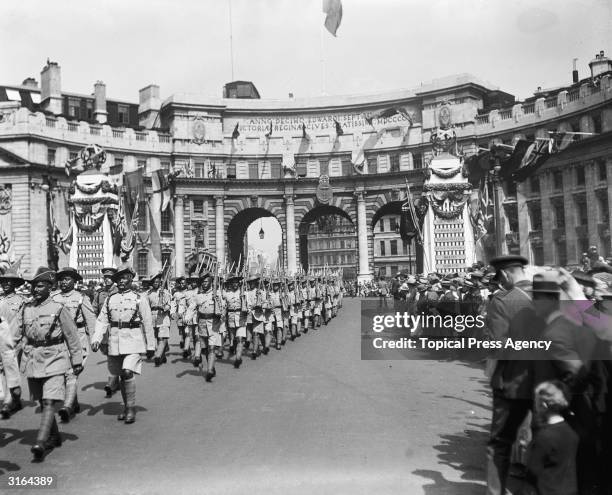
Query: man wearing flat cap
x,y
126,317
11,304
83,315
108,288
52,347
510,314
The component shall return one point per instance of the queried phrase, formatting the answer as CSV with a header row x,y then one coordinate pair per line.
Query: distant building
x,y
332,244
391,253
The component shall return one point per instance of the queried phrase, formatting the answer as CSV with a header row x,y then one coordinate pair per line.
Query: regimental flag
x,y
387,113
333,11
161,185
236,133
269,133
304,133
134,187
535,156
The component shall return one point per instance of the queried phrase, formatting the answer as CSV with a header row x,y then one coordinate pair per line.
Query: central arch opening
x,y
328,239
255,234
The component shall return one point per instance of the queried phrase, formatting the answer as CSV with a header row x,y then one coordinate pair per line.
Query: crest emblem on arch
x,y
325,194
198,130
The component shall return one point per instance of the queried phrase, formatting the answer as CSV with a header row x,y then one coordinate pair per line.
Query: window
x,y
253,170
123,112
73,155
74,107
559,216
231,170
580,176
90,109
582,213
393,246
313,168
381,224
417,160
392,224
538,255
602,173
143,264
199,170
604,211
166,220
51,156
394,270
395,163
382,248
558,180
198,207
165,166
166,258
561,248
534,185
301,169
142,164
535,216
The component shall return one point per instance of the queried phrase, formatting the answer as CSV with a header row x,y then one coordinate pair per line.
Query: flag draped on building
x,y
134,188
161,185
333,11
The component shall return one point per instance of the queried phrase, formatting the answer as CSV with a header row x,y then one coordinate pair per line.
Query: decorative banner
x,y
5,200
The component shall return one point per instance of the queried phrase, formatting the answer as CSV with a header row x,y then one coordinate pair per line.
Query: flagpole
x,y
323,75
231,39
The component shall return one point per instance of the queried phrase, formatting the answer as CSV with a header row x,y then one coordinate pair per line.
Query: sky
x,y
184,45
280,45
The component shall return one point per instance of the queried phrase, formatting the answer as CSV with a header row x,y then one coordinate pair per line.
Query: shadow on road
x,y
26,437
6,466
95,386
108,408
442,486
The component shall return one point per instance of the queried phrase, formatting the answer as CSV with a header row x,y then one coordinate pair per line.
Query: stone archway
x,y
237,229
321,212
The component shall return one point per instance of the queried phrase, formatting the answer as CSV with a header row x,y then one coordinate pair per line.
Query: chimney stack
x,y
149,105
30,82
575,72
600,64
100,113
51,88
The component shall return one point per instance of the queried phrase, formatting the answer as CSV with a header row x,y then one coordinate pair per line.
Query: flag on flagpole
x,y
333,11
339,130
134,187
269,133
304,133
236,133
161,185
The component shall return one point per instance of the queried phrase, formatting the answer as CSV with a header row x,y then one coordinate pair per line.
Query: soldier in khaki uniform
x,y
276,302
51,348
208,305
305,297
97,303
295,309
11,304
190,318
255,316
159,302
236,316
178,306
126,317
83,315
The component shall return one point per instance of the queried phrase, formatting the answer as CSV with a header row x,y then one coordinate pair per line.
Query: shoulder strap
x,y
135,314
52,327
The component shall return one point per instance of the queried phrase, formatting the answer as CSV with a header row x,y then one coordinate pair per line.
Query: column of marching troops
x,y
552,410
47,331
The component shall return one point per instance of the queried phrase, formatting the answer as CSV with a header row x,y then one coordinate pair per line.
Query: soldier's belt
x,y
46,342
157,308
125,324
237,310
80,324
207,316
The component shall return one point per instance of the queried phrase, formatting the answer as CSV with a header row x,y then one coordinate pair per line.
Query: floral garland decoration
x,y
454,213
446,174
89,228
462,186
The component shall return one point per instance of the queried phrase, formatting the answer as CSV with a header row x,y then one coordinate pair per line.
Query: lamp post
x,y
497,208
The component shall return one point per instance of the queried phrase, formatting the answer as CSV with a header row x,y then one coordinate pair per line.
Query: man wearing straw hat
x,y
11,304
83,315
51,348
126,317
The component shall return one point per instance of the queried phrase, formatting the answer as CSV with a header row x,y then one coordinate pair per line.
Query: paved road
x,y
312,418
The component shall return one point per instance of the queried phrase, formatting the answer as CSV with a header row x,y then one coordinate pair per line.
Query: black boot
x,y
237,363
10,408
68,411
130,401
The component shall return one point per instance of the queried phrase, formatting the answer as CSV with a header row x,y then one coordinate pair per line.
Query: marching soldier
x,y
295,308
108,288
126,317
276,303
190,318
209,308
52,347
335,297
255,316
11,304
79,307
268,314
317,303
236,316
305,297
178,306
159,301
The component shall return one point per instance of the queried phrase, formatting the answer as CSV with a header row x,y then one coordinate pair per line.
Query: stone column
x,y
609,176
179,236
523,222
219,230
362,237
547,219
590,172
290,233
573,256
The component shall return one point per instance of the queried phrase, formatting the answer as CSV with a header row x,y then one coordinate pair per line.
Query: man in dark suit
x,y
510,315
571,359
